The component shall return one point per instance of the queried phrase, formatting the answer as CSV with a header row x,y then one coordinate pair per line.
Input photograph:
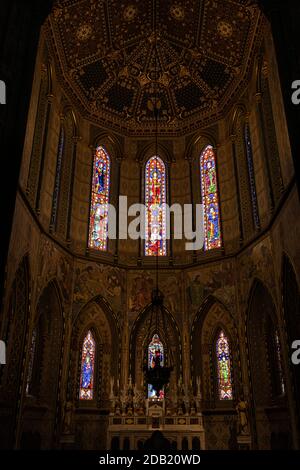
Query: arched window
x,y
155,197
31,361
155,349
223,367
60,152
279,364
251,177
210,199
99,200
87,367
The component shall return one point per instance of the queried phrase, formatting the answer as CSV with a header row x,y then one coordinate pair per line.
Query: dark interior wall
x,y
284,18
20,22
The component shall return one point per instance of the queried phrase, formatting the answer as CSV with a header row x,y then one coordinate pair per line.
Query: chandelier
x,y
156,375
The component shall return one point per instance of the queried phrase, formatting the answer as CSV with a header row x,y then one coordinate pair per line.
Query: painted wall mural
x,y
97,279
218,280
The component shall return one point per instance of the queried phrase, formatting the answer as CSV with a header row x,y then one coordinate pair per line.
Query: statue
x,y
243,422
118,409
130,384
135,397
198,382
67,417
111,395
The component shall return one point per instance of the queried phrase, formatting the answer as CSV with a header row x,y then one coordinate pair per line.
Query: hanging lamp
x,y
157,375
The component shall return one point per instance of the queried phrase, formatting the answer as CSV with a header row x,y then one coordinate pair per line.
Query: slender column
x,y
43,155
262,138
190,160
71,192
237,185
142,184
169,201
118,179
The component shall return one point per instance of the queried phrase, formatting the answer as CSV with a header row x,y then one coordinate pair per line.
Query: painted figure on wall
x,y
87,367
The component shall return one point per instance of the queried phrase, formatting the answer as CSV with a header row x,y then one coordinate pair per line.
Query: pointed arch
x,y
210,199
87,367
41,125
62,199
141,335
155,199
211,319
155,348
291,311
291,298
46,345
113,145
15,332
224,372
98,223
96,317
264,345
265,363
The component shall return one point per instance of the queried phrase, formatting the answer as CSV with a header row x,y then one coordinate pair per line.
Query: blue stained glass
x,y
155,349
60,153
251,177
87,368
99,201
210,199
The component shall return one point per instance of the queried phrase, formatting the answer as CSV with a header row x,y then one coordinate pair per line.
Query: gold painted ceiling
x,y
105,57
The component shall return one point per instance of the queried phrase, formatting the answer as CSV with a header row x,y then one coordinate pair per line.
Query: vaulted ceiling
x,y
105,57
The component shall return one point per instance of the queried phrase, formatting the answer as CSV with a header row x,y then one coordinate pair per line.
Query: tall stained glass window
x,y
31,359
155,197
99,200
87,367
223,368
155,350
210,199
251,177
279,363
60,152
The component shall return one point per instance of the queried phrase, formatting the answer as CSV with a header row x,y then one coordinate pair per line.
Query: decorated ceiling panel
x,y
106,60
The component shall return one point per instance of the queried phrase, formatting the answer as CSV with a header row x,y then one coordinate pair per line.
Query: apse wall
x,y
109,291
248,201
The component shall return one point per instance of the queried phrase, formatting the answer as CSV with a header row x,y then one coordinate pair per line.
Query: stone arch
x,y
241,168
110,143
198,143
239,111
44,363
291,318
69,113
264,370
291,298
95,316
16,337
36,164
66,172
142,330
271,149
148,150
212,317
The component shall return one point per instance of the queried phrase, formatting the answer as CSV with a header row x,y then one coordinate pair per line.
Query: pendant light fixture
x,y
157,375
